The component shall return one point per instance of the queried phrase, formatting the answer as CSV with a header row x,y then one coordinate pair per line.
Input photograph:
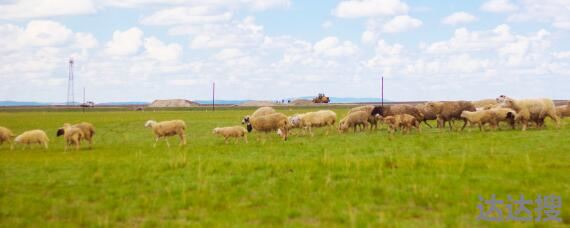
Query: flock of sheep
x,y
401,117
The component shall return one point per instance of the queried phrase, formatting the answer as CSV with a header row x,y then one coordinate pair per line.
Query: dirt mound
x,y
257,103
176,103
301,102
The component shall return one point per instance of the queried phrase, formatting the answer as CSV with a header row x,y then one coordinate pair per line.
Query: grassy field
x,y
362,179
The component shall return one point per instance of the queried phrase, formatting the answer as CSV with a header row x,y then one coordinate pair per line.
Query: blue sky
x,y
272,49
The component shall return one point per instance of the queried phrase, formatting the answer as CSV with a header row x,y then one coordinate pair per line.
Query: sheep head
x,y
215,131
60,132
249,127
245,120
150,123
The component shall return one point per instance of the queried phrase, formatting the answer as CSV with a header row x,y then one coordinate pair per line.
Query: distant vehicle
x,y
321,99
88,104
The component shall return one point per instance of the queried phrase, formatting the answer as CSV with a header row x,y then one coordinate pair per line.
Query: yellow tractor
x,y
321,99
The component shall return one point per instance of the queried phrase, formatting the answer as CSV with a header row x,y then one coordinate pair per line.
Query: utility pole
x,y
382,91
83,105
70,87
213,96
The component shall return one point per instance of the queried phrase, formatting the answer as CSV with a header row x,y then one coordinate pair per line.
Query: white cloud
x,y
186,15
125,43
160,51
244,33
24,9
256,5
369,8
555,12
37,33
499,6
327,24
368,37
332,47
401,23
458,18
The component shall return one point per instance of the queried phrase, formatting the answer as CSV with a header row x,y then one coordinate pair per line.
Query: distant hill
x,y
22,103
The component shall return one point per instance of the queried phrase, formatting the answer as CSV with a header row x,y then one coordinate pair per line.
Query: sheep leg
x,y
182,138
167,143
225,140
425,122
245,138
464,124
155,141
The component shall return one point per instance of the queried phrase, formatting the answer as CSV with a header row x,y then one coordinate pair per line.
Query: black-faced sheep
x,y
268,123
166,129
404,122
449,111
33,137
6,136
529,109
262,111
86,128
231,132
72,135
353,120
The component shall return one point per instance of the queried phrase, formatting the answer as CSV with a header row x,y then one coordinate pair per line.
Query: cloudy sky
x,y
140,50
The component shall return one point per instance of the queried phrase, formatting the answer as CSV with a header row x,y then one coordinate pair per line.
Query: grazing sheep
x,y
397,110
72,135
353,120
6,136
372,120
531,109
259,112
563,111
166,129
480,104
231,132
33,137
295,121
86,128
267,123
481,118
449,111
404,122
505,115
428,115
320,118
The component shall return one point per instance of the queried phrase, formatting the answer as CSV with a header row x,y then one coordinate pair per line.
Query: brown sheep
x,y
404,122
450,110
398,109
428,115
371,118
353,120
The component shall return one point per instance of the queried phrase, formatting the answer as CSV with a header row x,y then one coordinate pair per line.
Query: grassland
x,y
363,179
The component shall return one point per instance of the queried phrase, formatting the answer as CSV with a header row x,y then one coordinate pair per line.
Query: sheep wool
x,y
33,137
262,111
6,135
481,118
449,111
268,123
231,132
320,118
166,129
531,110
354,119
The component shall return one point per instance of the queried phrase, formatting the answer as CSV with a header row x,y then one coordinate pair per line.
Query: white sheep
x,y
531,109
481,118
166,129
354,119
33,137
505,115
259,112
72,135
404,122
231,132
6,135
268,123
320,118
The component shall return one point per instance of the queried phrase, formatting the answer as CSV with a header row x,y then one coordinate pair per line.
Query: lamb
x,y
505,115
531,109
6,136
371,118
404,122
72,135
33,137
428,115
231,132
353,120
166,129
320,118
271,122
449,111
86,128
481,118
260,112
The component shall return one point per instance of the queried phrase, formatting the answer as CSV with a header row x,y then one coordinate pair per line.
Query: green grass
x,y
362,179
